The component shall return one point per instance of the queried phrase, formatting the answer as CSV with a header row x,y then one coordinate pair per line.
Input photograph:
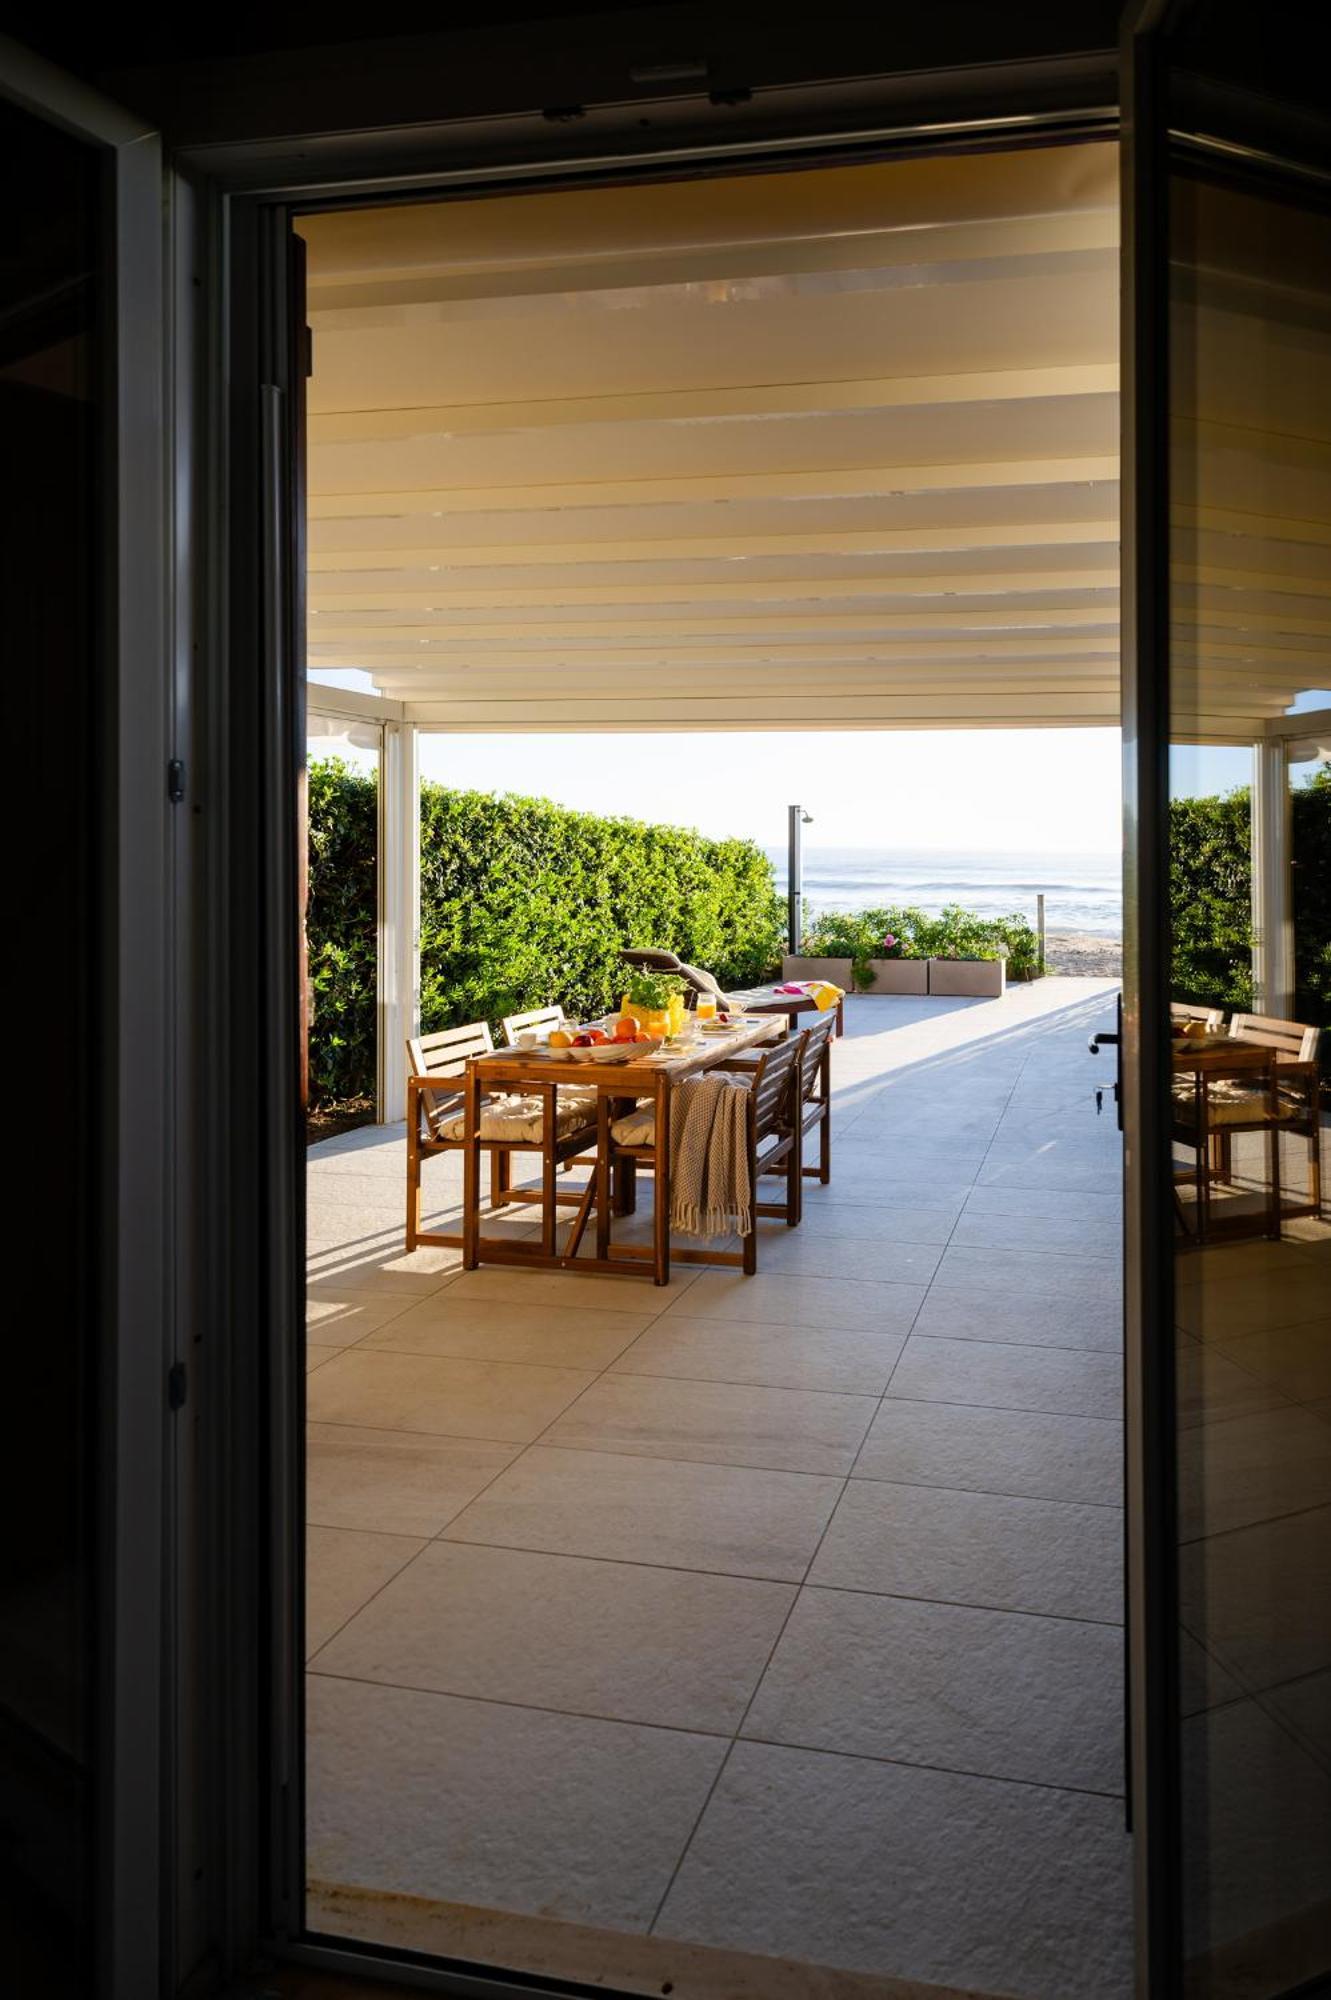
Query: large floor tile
x,y
861,1257
1210,1388
617,1640
796,1301
973,1308
857,1360
598,1291
885,1868
734,1520
994,1692
341,1322
343,1571
1259,1598
1252,1468
1296,1360
1029,1454
1068,1170
1028,1274
1094,1236
504,1808
394,1482
1305,1707
1056,1204
1223,1309
882,1222
1057,1380
499,1330
1259,1807
1052,1556
413,1392
726,1423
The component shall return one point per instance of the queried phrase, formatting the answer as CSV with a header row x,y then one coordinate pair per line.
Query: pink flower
x,y
888,942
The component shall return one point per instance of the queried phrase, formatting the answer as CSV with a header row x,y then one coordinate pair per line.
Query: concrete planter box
x,y
837,970
968,978
899,975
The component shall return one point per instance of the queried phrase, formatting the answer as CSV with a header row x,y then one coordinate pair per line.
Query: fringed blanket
x,y
710,1194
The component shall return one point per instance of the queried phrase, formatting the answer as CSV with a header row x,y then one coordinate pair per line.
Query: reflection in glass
x,y
1251,910
342,922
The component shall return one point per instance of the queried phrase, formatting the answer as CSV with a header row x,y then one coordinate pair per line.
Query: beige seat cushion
x,y
524,1117
636,1127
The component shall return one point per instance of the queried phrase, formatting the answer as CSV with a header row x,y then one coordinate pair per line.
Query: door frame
x,y
250,195
131,1077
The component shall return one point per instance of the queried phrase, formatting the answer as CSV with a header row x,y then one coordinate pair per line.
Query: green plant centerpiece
x,y
652,990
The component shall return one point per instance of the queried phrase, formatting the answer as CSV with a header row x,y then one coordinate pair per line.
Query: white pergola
x,y
822,449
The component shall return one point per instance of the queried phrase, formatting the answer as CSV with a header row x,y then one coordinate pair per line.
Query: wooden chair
x,y
1298,1106
816,1093
1211,1018
536,1021
436,1066
773,1143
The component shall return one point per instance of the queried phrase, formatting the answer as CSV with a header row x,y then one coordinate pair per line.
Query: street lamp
x,y
796,820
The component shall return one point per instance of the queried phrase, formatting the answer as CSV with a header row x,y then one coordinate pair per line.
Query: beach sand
x,y
1088,954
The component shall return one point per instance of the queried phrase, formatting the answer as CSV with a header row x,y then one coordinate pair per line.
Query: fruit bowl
x,y
611,1052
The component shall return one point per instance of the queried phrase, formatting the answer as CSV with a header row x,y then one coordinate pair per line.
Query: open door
x,y
1227,636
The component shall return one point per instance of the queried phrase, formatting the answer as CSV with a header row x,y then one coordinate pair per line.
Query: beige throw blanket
x,y
710,1193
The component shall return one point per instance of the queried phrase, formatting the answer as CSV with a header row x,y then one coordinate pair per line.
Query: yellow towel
x,y
824,994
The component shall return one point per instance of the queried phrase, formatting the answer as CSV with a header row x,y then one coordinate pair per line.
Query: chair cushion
x,y
636,1127
524,1117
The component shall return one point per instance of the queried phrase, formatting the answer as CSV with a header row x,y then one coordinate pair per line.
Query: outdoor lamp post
x,y
797,819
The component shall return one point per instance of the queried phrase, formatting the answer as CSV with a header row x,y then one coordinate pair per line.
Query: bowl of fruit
x,y
617,1040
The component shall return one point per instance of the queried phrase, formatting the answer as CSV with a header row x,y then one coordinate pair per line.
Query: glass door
x,y
1227,640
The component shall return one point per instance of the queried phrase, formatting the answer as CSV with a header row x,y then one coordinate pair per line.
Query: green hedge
x,y
342,931
1210,891
954,933
523,902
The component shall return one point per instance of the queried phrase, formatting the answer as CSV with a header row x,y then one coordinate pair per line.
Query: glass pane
x,y
50,415
342,923
1250,840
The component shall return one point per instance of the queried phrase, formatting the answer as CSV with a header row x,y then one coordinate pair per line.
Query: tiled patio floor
x,y
775,1614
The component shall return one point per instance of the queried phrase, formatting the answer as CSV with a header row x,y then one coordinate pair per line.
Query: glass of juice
x,y
706,1007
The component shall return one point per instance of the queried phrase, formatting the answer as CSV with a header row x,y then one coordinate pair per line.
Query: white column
x,y
399,912
1272,916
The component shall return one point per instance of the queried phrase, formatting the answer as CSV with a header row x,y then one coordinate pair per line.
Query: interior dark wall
x,y
218,75
50,422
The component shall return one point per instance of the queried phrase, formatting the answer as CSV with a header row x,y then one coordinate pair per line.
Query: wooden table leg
x,y
603,1173
471,1170
550,1111
661,1195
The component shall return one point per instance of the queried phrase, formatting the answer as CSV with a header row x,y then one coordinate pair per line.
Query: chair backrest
x,y
1212,1018
1295,1041
536,1021
773,1083
817,1043
445,1055
646,958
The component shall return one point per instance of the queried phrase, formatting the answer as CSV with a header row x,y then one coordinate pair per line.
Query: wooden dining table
x,y
1208,1060
544,1073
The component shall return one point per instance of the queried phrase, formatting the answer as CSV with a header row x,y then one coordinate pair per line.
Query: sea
x,y
1082,892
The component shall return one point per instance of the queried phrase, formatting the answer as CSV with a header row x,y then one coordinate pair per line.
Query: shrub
x,y
955,933
1210,896
522,902
342,931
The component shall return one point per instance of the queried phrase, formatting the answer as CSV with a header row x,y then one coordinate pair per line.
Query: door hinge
x,y
175,780
177,1385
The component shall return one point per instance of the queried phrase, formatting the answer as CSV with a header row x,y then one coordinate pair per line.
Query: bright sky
x,y
991,789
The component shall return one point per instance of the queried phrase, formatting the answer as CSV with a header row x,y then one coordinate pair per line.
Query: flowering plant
x,y
891,946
